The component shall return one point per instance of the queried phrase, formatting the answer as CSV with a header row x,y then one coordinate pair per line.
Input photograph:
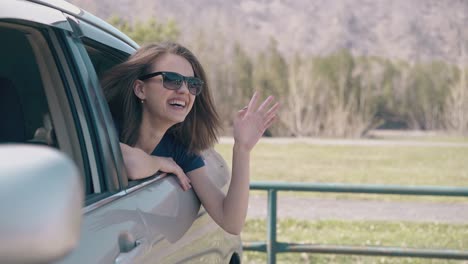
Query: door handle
x,y
130,249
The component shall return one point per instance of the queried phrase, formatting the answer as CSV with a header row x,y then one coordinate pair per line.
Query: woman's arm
x,y
140,165
227,210
230,210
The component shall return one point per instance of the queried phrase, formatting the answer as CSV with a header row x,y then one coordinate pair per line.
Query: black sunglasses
x,y
173,81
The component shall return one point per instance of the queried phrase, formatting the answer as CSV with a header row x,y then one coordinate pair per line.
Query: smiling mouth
x,y
177,103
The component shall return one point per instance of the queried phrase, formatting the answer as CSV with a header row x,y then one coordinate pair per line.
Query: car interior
x,y
24,112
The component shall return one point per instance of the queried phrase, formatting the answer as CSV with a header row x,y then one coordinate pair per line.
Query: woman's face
x,y
162,105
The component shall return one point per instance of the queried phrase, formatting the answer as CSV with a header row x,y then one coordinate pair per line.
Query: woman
x,y
162,105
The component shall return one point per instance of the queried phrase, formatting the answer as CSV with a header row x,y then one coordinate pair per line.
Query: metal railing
x,y
272,246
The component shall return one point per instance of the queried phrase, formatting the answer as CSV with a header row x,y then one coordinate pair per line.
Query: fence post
x,y
271,242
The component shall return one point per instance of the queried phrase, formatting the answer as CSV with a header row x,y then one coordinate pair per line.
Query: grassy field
x,y
360,164
370,233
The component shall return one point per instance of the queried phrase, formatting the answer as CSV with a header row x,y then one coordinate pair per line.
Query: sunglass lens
x,y
172,81
195,86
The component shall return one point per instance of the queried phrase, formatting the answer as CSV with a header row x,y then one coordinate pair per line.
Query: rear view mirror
x,y
41,197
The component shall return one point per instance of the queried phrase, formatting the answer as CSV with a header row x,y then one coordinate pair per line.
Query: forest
x,y
331,95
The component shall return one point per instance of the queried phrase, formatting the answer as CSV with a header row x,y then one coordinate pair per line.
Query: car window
x,y
94,51
103,57
37,105
24,112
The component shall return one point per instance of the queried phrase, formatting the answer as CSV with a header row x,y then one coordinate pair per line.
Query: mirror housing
x,y
41,199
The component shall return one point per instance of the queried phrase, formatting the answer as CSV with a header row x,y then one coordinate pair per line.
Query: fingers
x,y
161,174
241,113
270,116
183,179
252,103
172,167
267,116
265,104
272,110
268,122
263,107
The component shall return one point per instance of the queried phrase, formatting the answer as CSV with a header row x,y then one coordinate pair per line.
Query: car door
x,y
53,107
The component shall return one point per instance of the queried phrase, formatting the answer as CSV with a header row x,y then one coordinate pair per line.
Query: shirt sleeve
x,y
184,158
192,162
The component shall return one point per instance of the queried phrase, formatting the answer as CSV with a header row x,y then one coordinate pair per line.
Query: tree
x,y
300,112
426,94
457,105
242,71
148,31
271,77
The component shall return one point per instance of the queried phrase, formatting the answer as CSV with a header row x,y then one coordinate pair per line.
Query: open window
x,y
37,101
24,111
102,56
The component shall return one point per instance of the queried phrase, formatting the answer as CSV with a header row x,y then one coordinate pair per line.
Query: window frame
x,y
84,35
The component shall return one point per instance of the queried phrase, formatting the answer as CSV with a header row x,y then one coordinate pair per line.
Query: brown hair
x,y
199,129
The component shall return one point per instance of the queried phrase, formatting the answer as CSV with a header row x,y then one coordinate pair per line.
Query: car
x,y
65,196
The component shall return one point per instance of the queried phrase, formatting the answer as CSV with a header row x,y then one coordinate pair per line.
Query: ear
x,y
139,89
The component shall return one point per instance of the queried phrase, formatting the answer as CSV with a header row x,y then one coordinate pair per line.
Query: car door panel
x,y
203,240
106,233
166,209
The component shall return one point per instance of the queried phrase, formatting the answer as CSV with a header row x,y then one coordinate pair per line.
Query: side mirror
x,y
41,199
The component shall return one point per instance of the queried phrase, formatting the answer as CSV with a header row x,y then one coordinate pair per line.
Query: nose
x,y
183,88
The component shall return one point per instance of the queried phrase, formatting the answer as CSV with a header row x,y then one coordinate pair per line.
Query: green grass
x,y
384,164
357,233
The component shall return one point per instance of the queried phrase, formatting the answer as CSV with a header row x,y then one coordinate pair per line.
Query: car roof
x,y
81,14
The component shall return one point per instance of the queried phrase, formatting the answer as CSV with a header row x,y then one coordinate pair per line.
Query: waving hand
x,y
251,122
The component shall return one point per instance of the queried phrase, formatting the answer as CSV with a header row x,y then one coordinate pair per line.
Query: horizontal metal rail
x,y
356,250
358,188
272,246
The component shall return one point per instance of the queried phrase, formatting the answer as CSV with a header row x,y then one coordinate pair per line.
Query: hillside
x,y
404,29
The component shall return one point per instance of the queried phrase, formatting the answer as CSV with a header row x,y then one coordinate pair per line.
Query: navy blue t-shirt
x,y
171,148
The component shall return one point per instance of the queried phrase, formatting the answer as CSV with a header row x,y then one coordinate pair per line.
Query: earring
x,y
142,101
